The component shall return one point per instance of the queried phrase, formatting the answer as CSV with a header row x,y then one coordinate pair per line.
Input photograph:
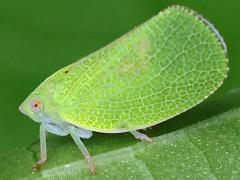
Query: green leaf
x,y
204,150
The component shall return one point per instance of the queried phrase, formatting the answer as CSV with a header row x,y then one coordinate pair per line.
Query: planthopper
x,y
163,67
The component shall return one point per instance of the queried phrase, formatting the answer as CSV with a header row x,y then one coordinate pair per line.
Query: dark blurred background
x,y
39,37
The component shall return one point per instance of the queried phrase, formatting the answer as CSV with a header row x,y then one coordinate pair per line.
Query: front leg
x,y
43,148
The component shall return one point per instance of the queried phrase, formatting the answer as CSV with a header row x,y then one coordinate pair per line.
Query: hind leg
x,y
141,136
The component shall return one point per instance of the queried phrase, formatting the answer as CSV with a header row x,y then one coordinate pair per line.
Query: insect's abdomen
x,y
160,69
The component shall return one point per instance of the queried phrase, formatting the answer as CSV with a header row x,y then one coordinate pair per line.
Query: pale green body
x,y
164,67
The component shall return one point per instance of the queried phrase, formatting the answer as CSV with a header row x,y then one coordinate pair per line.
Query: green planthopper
x,y
163,67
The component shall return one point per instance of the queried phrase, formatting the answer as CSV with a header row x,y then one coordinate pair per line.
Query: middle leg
x,y
75,135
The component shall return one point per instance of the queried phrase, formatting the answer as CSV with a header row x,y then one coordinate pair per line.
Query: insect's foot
x,y
93,170
150,140
146,138
91,165
38,165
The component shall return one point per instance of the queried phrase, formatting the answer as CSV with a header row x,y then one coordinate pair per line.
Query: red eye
x,y
36,105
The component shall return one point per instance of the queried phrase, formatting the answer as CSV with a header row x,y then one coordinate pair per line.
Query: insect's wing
x,y
165,66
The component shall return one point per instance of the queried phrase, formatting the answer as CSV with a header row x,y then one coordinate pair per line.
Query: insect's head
x,y
34,108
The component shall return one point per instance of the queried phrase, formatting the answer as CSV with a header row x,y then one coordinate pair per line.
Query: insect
x,y
158,70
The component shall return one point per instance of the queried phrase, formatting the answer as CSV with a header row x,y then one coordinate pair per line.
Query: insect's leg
x,y
141,136
83,149
82,133
43,148
55,129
